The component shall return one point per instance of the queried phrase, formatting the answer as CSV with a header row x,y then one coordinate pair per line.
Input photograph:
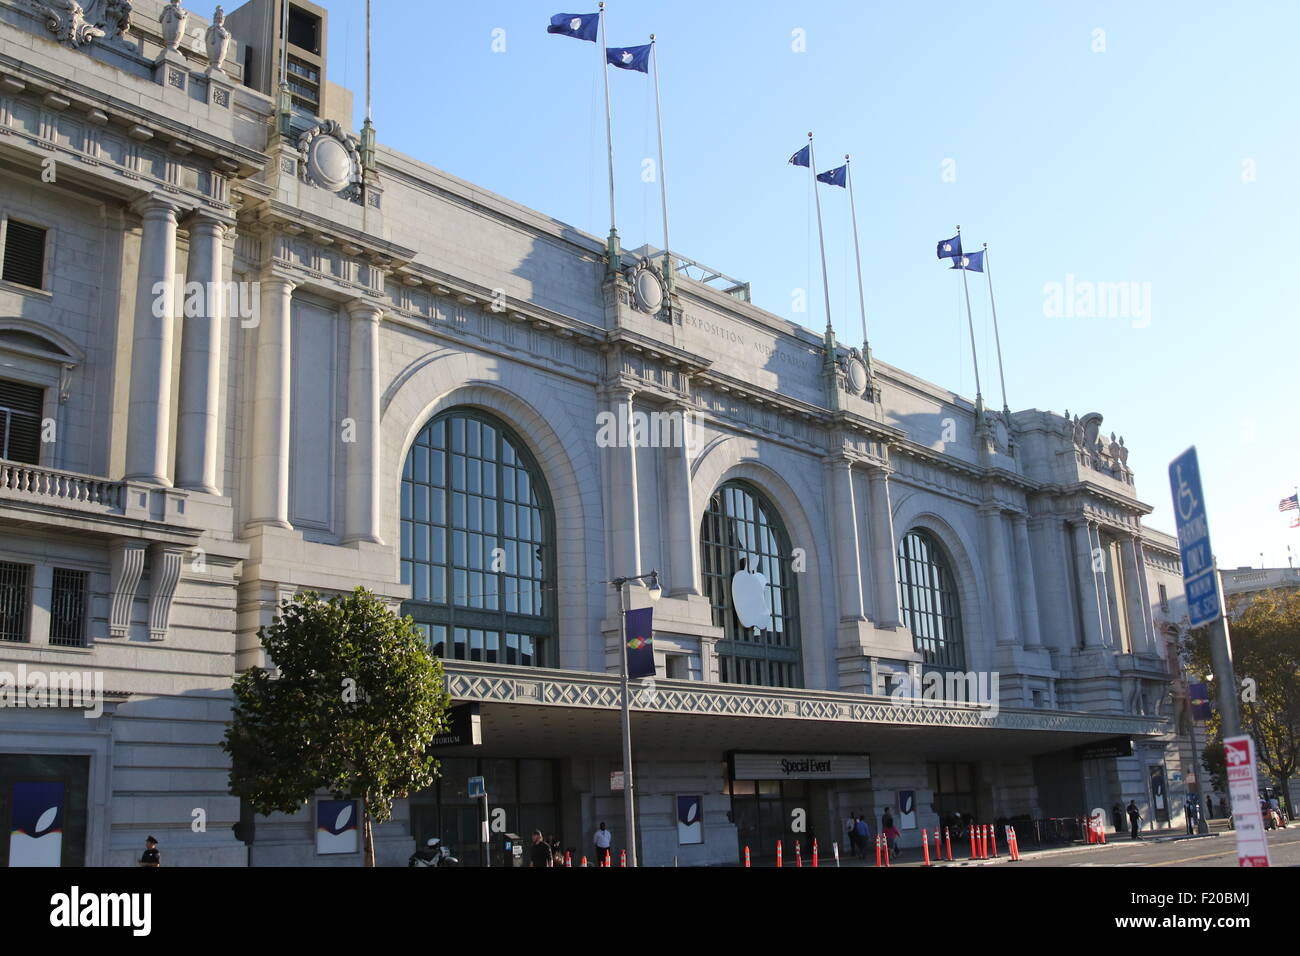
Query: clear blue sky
x,y
1115,166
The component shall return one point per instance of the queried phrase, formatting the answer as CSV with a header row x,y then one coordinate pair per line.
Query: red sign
x,y
1243,789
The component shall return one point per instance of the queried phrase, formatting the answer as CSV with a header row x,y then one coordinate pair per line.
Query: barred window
x,y
742,531
20,421
477,543
68,608
24,258
927,596
15,601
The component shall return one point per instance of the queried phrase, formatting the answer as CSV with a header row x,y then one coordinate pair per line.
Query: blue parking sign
x,y
1199,580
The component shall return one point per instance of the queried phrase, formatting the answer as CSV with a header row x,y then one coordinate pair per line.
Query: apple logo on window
x,y
749,598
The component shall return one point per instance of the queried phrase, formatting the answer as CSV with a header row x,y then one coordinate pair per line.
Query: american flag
x,y
1289,504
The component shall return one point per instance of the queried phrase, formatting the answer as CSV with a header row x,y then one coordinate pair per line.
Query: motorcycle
x,y
433,854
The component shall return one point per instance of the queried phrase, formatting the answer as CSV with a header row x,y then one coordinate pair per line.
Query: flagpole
x,y
979,394
826,283
663,180
609,139
857,251
996,337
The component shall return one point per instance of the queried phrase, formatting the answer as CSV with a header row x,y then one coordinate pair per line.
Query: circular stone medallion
x,y
330,163
649,290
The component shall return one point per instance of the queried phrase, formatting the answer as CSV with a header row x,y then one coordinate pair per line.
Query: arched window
x,y
742,531
927,596
477,543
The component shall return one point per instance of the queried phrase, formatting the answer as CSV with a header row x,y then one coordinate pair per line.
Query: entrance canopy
x,y
576,713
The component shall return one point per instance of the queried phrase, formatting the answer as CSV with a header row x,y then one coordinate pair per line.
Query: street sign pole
x,y
1221,658
1205,605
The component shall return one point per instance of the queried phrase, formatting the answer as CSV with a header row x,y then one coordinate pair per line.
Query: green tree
x,y
1266,658
351,706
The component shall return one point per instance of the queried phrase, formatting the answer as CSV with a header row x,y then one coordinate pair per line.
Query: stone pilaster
x,y
1026,584
884,549
268,471
361,518
196,429
844,531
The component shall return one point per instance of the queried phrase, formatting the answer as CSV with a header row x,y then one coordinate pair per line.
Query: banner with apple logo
x,y
640,643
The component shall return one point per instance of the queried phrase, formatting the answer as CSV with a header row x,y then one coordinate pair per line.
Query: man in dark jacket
x,y
540,853
1134,820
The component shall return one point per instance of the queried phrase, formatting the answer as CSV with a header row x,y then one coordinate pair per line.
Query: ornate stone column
x,y
884,548
149,412
683,553
1027,584
998,574
361,518
844,532
196,428
1089,596
268,471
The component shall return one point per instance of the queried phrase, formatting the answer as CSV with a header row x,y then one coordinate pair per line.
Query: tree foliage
x,y
1266,658
353,702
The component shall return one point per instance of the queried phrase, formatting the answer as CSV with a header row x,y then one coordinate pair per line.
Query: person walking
x,y
1117,817
602,840
1134,820
864,835
854,846
890,831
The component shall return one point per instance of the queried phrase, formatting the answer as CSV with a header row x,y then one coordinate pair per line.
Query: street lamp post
x,y
629,795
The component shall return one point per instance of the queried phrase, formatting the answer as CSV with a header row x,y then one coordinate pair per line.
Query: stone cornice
x,y
232,159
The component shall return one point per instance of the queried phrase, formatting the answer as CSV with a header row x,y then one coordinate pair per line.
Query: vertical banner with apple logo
x,y
640,643
336,826
36,824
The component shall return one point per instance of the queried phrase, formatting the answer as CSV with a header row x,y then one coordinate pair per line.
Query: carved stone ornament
x,y
647,288
67,20
172,19
854,372
217,40
330,158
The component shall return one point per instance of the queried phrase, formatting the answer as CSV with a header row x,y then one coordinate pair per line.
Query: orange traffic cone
x,y
815,853
947,839
925,846
798,855
747,856
568,859
778,854
622,858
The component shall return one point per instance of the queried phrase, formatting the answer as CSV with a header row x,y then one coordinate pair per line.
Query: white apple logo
x,y
749,598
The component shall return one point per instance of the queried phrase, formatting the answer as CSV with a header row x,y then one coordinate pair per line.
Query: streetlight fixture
x,y
629,796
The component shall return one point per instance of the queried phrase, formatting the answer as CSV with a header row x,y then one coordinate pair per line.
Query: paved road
x,y
1214,850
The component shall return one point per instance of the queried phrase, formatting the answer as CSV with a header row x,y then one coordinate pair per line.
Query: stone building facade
x,y
392,378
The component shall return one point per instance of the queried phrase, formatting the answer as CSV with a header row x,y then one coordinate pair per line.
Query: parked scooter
x,y
434,853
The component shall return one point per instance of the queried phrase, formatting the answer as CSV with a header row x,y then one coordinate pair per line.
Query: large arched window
x,y
742,531
477,543
927,596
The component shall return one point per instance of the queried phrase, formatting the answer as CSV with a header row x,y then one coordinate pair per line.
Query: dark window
x,y
20,422
1164,598
742,531
477,543
24,254
68,608
15,600
304,30
927,596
